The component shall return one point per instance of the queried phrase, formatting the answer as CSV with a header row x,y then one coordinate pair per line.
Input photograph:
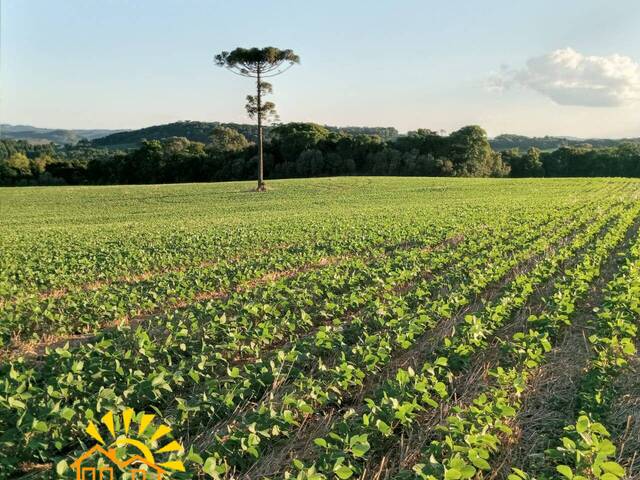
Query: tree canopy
x,y
250,62
225,139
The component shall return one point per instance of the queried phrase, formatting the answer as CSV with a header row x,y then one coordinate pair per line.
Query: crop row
x,y
86,310
51,257
40,262
401,401
471,435
341,465
379,332
242,348
586,452
222,328
180,360
33,316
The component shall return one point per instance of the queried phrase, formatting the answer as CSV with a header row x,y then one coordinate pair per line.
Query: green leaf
x,y
210,467
107,393
613,467
441,361
194,457
519,474
565,471
67,413
15,403
480,463
360,449
321,442
468,471
608,476
452,474
606,447
41,426
343,472
582,425
384,428
62,467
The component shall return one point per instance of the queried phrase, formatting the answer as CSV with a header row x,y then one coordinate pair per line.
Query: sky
x,y
569,67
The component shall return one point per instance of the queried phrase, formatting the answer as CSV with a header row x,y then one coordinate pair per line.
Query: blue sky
x,y
408,64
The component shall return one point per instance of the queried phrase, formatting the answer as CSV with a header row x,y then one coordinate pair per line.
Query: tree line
x,y
304,150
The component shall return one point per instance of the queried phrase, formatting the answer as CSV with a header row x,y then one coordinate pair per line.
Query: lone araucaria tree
x,y
258,63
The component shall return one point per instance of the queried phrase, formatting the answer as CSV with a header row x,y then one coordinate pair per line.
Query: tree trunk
x,y
261,186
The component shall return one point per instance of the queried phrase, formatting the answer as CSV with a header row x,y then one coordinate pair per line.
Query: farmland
x,y
384,328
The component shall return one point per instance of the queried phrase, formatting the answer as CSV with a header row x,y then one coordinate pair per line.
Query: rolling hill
x,y
507,141
201,131
54,135
192,130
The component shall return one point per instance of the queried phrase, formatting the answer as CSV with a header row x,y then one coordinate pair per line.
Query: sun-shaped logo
x,y
133,448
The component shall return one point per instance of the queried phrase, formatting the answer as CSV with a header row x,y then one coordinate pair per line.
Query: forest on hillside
x,y
191,130
228,152
509,141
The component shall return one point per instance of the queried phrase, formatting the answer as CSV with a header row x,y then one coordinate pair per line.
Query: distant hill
x,y
201,132
507,141
194,131
45,135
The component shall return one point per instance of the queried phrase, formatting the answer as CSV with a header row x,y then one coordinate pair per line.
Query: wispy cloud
x,y
570,78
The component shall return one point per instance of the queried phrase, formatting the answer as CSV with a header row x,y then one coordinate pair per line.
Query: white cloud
x,y
570,78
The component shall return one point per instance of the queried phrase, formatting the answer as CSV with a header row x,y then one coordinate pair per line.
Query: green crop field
x,y
374,328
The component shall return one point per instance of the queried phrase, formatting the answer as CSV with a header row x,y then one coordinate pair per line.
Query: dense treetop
x,y
251,61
